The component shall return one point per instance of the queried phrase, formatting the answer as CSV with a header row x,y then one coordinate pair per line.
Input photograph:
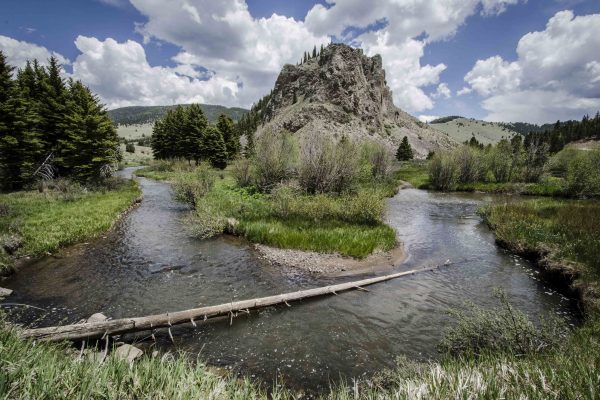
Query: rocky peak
x,y
344,92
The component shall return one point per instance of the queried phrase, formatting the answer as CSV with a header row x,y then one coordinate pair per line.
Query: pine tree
x,y
314,53
90,143
322,48
305,57
158,140
226,126
51,97
405,152
194,130
215,147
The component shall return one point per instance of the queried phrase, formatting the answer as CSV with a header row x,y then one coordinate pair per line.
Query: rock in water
x,y
4,293
97,317
342,92
128,353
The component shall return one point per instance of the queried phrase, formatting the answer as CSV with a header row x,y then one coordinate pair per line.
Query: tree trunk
x,y
124,325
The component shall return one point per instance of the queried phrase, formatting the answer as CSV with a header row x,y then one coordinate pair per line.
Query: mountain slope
x,y
462,129
148,114
342,92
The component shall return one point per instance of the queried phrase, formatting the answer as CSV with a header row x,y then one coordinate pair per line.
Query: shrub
x,y
327,166
130,148
443,172
275,158
366,207
469,164
500,161
188,188
242,172
378,157
500,329
583,174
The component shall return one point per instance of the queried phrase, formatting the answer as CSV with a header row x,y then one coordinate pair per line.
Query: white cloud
x,y
556,74
493,75
427,118
223,37
18,52
121,75
442,91
404,21
464,90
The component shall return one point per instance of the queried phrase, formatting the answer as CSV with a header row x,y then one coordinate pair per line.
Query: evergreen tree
x,y
158,140
226,126
314,53
405,152
52,99
89,146
215,145
194,130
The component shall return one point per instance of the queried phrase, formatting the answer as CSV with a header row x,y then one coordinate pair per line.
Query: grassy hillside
x,y
135,131
147,114
462,129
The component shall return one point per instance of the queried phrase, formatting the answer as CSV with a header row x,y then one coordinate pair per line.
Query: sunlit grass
x,y
47,221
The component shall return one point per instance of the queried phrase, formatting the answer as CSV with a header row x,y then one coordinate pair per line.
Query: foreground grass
x,y
567,229
44,222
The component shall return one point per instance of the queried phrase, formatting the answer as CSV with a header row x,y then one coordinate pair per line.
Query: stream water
x,y
150,264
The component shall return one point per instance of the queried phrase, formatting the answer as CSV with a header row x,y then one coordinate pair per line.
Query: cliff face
x,y
344,92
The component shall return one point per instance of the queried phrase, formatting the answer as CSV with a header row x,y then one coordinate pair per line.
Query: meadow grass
x,y
44,222
417,174
565,232
349,224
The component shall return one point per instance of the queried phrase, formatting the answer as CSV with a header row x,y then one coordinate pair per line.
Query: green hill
x,y
462,129
137,115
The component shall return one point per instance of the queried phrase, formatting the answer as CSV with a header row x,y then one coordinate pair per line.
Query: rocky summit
x,y
343,92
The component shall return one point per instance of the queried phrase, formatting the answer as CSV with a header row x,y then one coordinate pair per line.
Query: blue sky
x,y
535,60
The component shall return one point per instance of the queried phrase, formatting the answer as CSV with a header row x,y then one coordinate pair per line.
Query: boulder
x,y
97,317
5,292
127,352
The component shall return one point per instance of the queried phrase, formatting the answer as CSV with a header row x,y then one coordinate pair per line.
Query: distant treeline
x,y
50,127
566,132
249,123
445,119
185,133
147,114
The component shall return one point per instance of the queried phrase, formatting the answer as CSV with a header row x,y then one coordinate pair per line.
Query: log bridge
x,y
105,329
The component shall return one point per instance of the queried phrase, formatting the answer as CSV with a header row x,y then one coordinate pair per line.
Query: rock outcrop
x,y
342,92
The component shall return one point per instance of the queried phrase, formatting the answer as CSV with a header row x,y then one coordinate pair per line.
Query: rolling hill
x,y
136,115
462,129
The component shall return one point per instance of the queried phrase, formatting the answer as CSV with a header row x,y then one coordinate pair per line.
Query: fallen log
x,y
103,329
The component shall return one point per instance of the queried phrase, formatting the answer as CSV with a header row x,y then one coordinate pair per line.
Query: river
x,y
150,264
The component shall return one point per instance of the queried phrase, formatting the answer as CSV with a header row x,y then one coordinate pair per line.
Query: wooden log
x,y
103,329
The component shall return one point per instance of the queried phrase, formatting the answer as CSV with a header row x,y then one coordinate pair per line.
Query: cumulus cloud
x,y
403,22
223,37
427,118
18,52
556,74
442,91
122,76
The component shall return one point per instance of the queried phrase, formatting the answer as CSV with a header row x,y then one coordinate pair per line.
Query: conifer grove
x,y
184,133
48,120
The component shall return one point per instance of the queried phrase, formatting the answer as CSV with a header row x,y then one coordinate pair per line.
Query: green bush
x,y
443,172
326,165
275,158
243,173
189,187
503,329
583,174
130,148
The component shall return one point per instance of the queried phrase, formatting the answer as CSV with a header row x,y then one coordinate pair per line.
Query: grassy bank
x,y
564,234
34,223
350,224
417,174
